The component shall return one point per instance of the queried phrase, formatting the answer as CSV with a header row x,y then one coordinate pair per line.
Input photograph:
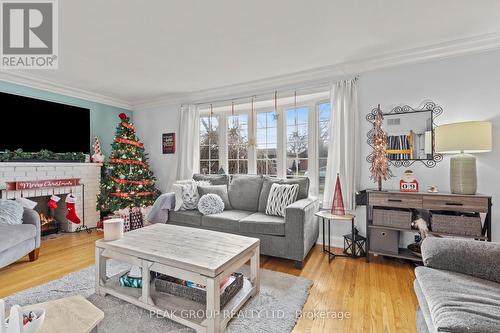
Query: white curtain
x,y
188,161
343,149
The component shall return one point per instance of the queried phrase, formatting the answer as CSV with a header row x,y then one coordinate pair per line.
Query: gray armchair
x,y
459,288
19,240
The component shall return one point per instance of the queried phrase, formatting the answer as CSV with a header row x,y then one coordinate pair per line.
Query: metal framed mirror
x,y
410,134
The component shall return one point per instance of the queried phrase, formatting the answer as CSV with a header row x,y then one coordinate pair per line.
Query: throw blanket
x,y
159,211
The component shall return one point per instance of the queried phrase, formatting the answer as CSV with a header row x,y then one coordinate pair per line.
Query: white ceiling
x,y
138,50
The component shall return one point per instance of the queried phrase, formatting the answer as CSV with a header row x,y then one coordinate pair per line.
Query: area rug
x,y
275,309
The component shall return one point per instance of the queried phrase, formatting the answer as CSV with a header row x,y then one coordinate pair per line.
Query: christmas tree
x,y
378,157
127,180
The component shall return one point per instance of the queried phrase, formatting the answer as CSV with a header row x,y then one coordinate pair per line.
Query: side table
x,y
353,239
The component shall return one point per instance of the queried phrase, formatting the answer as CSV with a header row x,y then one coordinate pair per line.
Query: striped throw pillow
x,y
280,196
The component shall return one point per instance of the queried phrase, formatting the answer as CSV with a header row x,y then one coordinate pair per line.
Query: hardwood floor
x,y
374,297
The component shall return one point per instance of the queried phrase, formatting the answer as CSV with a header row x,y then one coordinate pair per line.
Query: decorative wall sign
x,y
168,143
39,184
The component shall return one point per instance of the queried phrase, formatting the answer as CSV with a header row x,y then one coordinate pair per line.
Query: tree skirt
x,y
273,310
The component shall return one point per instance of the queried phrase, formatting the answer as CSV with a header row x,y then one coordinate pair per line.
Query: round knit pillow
x,y
210,204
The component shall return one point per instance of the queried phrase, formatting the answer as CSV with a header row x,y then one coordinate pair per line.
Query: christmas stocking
x,y
70,205
54,199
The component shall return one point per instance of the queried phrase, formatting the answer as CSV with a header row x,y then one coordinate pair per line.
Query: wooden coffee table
x,y
201,256
70,314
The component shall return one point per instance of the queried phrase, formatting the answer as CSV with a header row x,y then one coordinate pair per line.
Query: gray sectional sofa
x,y
291,237
458,290
18,240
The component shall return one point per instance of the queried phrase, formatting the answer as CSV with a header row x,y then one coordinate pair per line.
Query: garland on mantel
x,y
19,155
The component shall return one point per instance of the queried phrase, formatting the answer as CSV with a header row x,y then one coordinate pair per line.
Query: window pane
x,y
323,148
214,152
323,140
233,167
243,152
214,167
232,152
204,152
322,175
261,153
261,167
204,167
302,115
261,119
324,112
237,140
267,138
271,152
291,117
272,119
272,167
261,136
302,167
272,136
209,149
243,167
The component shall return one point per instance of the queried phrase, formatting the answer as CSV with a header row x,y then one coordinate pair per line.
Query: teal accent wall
x,y
103,118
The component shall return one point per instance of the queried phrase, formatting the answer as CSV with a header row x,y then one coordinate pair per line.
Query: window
x,y
237,144
209,145
297,141
323,140
287,137
267,143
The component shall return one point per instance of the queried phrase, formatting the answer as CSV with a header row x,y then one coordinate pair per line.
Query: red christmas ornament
x,y
338,200
123,116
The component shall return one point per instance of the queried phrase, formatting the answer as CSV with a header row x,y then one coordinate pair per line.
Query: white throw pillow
x,y
210,204
27,203
11,212
186,194
280,196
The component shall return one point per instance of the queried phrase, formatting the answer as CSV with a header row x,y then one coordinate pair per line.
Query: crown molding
x,y
328,74
54,87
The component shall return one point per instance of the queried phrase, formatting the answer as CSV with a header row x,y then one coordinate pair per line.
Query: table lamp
x,y
463,139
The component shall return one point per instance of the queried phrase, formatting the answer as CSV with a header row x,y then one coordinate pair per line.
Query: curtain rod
x,y
316,86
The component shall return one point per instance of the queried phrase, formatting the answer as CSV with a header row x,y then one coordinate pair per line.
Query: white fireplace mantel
x,y
89,174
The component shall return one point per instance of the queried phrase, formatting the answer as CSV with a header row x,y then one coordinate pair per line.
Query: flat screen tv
x,y
33,124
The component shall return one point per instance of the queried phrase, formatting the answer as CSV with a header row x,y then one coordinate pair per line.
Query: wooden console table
x,y
426,202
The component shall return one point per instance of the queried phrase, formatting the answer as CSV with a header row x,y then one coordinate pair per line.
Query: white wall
x,y
467,87
150,124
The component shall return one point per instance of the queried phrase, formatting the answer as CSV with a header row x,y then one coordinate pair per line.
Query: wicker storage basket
x,y
456,224
168,285
396,218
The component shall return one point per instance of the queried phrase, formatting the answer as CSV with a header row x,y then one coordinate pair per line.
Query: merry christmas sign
x,y
39,184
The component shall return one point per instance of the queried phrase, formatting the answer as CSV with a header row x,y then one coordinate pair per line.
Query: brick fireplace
x,y
88,173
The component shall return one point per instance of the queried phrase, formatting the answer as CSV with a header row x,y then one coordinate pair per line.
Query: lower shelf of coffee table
x,y
169,305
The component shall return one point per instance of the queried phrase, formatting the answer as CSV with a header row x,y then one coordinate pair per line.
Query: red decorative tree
x,y
338,200
378,157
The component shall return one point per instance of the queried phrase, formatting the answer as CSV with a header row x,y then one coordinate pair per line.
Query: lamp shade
x,y
467,137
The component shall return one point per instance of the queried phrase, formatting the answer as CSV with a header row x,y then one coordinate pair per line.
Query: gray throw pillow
x,y
303,183
220,190
212,179
280,197
11,212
